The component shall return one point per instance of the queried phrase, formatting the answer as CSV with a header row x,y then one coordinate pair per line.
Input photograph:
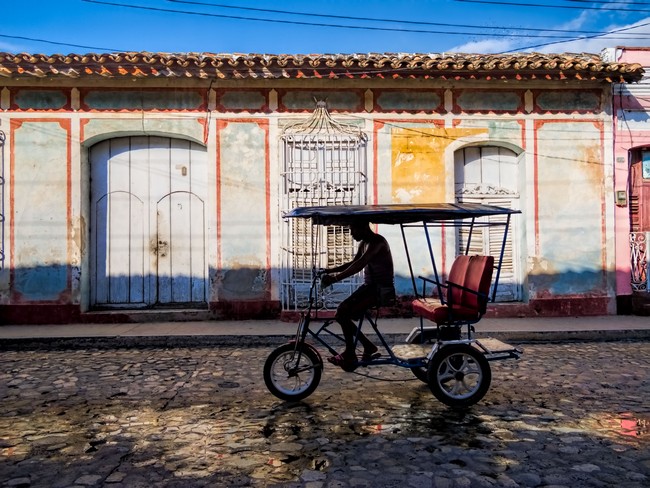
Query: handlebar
x,y
318,272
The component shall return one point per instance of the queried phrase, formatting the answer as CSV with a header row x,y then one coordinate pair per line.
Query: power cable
x,y
312,24
32,39
373,19
546,44
620,2
539,5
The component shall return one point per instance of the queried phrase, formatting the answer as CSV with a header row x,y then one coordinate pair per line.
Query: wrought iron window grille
x,y
324,163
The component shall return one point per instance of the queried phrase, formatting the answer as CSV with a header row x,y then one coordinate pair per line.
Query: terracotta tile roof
x,y
271,66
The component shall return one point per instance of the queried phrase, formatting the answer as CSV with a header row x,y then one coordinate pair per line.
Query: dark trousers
x,y
353,308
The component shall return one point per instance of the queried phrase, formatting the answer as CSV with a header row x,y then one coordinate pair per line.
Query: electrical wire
x,y
373,19
57,43
596,36
539,5
621,2
561,39
338,26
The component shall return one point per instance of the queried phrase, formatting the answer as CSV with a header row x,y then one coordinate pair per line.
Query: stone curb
x,y
179,341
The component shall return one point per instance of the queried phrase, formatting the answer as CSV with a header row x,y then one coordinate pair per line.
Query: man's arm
x,y
341,267
360,261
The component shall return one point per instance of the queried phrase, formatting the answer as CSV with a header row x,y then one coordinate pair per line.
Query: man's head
x,y
360,230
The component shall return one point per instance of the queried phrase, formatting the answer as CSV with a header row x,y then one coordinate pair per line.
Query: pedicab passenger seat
x,y
464,296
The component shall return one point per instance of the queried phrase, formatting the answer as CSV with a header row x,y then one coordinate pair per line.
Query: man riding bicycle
x,y
375,259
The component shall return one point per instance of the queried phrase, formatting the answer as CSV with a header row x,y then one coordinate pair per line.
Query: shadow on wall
x,y
50,294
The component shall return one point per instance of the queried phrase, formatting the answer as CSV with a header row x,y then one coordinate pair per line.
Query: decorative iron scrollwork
x,y
639,260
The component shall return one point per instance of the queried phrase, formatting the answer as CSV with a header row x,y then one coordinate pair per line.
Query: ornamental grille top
x,y
321,123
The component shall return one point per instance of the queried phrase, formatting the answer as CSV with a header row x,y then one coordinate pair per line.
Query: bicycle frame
x,y
323,332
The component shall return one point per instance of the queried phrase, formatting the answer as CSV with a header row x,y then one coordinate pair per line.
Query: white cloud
x,y
11,48
595,45
486,46
584,44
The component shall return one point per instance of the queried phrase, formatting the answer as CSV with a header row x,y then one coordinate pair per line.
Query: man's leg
x,y
353,307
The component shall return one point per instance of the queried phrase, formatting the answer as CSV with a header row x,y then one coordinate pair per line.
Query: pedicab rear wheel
x,y
293,372
459,375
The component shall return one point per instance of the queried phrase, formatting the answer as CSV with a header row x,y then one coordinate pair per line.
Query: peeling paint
x,y
243,282
418,162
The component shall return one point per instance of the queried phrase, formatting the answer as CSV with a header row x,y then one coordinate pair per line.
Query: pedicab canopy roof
x,y
396,213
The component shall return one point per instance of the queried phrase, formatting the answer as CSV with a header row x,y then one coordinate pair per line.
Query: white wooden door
x,y
489,175
148,236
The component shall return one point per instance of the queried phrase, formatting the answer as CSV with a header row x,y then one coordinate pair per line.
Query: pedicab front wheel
x,y
459,375
293,372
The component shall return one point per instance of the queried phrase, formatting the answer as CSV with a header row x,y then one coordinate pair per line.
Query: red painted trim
x,y
538,124
82,126
267,163
66,124
221,124
443,250
13,126
377,126
603,207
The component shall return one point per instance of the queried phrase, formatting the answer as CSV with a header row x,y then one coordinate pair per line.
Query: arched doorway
x,y
148,231
490,175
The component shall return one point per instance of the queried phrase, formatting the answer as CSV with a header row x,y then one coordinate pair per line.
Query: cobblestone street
x,y
572,414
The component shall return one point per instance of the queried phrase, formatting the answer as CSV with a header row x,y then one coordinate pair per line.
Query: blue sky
x,y
351,26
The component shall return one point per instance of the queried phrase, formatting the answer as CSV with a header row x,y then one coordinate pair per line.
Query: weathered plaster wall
x,y
243,211
570,188
40,211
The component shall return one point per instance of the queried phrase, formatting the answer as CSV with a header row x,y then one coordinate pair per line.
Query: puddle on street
x,y
303,420
627,424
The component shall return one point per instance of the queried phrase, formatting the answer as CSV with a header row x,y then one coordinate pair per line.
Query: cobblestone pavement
x,y
572,414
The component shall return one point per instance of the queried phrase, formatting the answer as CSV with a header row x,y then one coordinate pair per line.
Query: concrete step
x,y
145,316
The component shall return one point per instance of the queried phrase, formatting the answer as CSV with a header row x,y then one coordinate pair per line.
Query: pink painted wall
x,y
631,108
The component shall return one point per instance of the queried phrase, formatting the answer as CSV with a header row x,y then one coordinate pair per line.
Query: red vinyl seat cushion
x,y
471,272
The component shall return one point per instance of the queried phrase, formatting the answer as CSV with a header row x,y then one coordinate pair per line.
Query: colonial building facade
x,y
141,181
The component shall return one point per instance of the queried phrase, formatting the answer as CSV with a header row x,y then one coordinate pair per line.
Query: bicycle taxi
x,y
442,349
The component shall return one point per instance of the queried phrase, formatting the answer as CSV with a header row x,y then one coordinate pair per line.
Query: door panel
x,y
117,280
148,236
181,252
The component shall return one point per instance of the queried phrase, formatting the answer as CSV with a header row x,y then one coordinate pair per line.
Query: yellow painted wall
x,y
418,162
